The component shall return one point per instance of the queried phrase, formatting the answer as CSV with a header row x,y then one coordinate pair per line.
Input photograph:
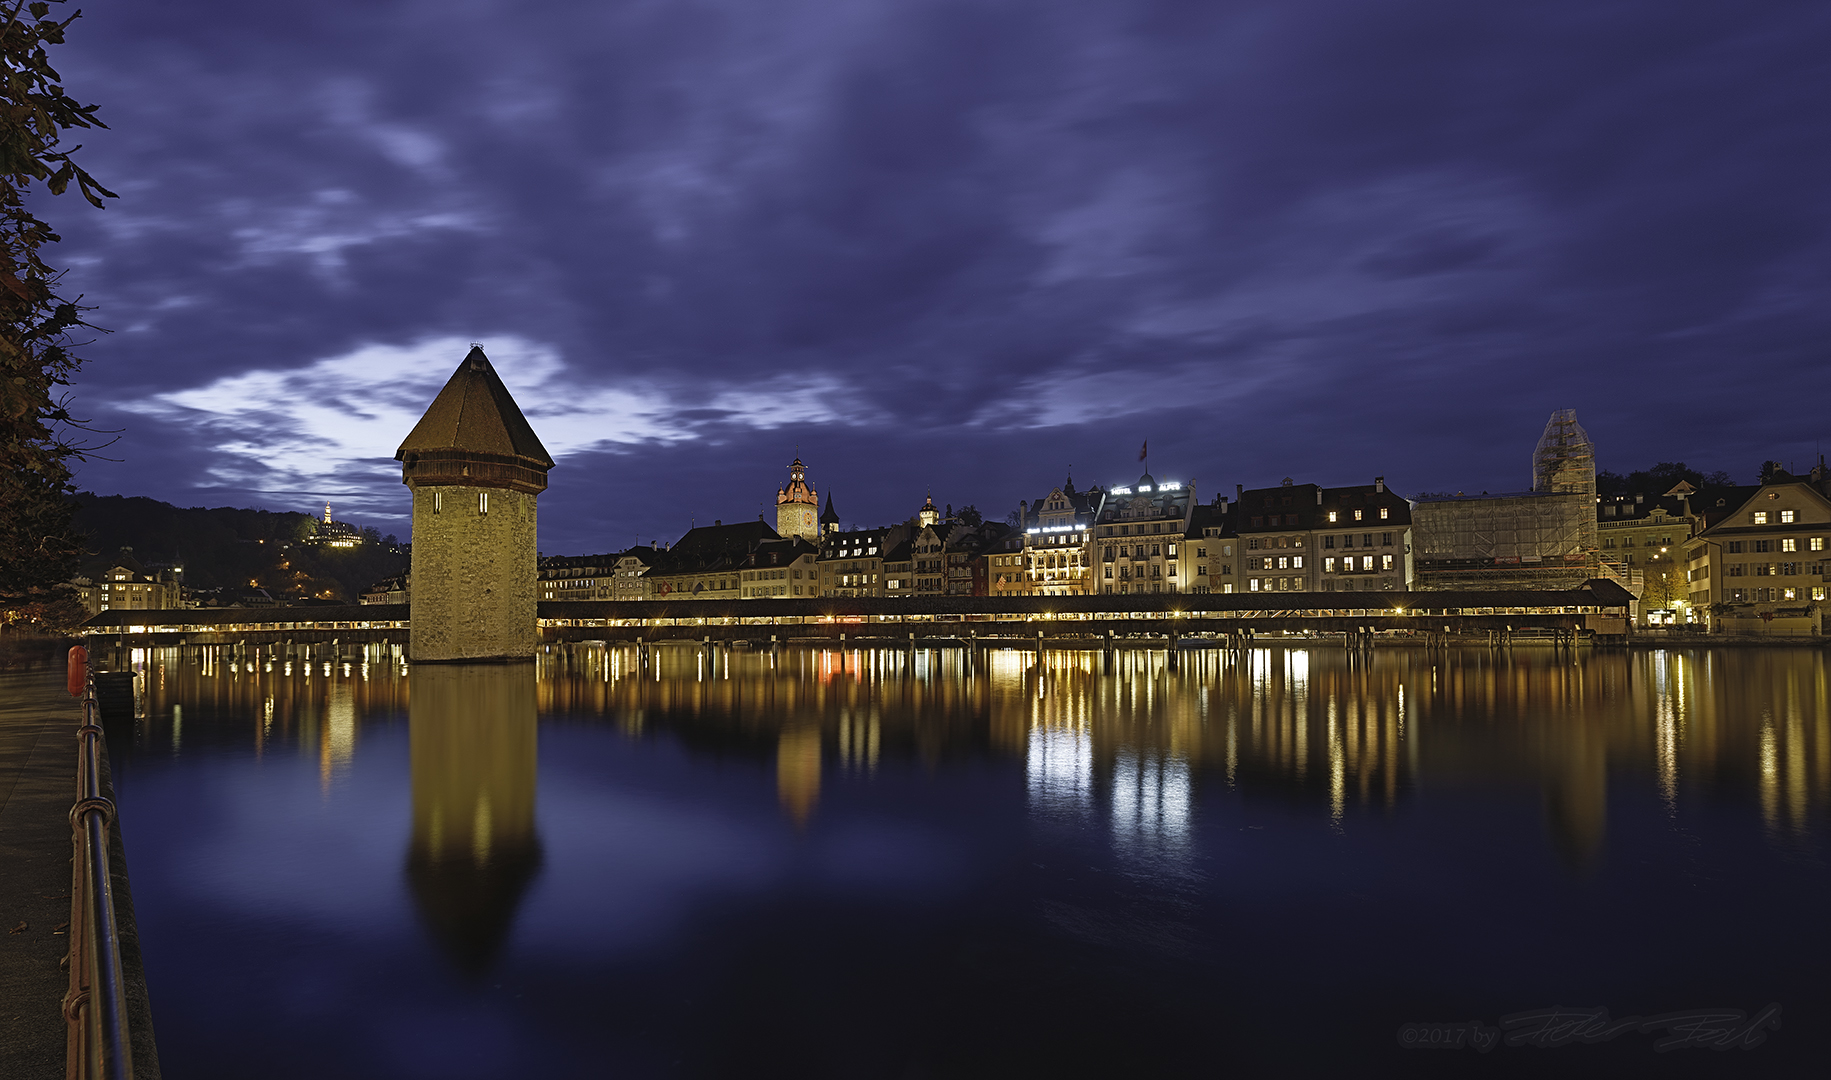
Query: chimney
x,y
1239,492
1318,496
1379,484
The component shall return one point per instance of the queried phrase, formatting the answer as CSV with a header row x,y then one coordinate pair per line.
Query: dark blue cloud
x,y
959,245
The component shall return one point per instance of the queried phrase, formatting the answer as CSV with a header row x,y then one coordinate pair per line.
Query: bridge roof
x,y
1596,595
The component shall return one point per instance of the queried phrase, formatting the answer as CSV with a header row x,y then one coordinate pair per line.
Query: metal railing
x,y
95,1008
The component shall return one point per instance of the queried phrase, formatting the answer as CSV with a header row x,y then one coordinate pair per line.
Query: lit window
x,y
1357,515
1328,566
1296,562
1253,585
1366,562
1385,512
1284,563
1385,562
1817,544
483,502
1818,592
1789,544
1761,517
1786,517
1789,594
1331,515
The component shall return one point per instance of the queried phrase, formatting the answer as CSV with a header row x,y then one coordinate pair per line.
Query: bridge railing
x,y
95,1007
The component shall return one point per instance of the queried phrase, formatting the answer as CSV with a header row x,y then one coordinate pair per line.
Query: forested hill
x,y
225,547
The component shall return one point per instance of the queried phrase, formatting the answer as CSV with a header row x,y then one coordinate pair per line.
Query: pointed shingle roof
x,y
473,433
475,412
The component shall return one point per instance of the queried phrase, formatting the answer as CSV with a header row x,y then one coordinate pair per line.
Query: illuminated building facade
x,y
1057,555
1138,539
120,582
1765,568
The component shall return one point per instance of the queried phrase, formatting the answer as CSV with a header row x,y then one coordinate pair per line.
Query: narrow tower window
x,y
438,501
483,502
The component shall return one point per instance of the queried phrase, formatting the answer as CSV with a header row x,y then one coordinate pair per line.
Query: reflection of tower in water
x,y
474,762
798,770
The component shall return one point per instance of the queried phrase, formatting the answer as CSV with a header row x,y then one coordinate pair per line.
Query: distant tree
x,y
1013,519
370,535
1658,480
970,515
39,545
1770,471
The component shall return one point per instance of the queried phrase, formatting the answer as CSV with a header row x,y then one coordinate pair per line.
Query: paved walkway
x,y
38,722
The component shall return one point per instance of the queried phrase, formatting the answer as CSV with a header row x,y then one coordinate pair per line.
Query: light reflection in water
x,y
1341,732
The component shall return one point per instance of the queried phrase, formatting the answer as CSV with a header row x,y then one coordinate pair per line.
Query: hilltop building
x,y
333,534
475,468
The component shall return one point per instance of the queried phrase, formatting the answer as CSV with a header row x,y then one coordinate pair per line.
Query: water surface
x,y
885,863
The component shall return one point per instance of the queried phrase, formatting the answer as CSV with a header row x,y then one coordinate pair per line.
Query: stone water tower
x,y
475,468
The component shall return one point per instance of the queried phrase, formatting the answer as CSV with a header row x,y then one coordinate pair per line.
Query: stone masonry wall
x,y
474,588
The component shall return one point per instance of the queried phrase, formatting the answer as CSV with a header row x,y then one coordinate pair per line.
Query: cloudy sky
x,y
951,245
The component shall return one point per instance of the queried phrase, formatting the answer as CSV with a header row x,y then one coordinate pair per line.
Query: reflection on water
x,y
950,835
1130,732
474,848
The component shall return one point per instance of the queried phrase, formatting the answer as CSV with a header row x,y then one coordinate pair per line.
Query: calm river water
x,y
893,864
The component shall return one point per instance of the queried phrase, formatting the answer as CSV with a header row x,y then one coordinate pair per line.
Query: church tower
x,y
796,506
475,468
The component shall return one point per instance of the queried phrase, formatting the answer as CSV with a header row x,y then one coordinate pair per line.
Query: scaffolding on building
x,y
1565,460
1543,538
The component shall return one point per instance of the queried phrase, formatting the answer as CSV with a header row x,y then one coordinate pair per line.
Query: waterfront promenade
x,y
38,722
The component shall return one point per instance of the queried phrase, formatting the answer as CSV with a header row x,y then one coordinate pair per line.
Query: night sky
x,y
952,246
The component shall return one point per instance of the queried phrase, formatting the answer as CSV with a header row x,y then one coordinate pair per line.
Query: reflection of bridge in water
x,y
1598,609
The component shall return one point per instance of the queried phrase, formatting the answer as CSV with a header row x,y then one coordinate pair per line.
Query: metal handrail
x,y
95,1008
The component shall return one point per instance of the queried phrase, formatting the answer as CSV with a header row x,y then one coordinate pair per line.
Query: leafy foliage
x,y
38,546
1659,479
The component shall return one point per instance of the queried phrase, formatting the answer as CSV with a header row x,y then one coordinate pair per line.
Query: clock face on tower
x,y
797,506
